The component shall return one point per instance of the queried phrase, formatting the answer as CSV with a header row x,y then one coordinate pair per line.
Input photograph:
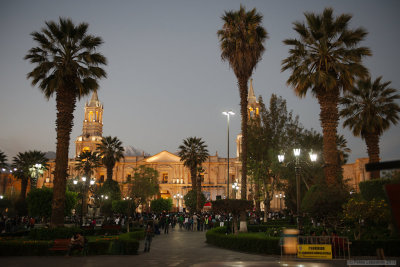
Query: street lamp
x,y
228,114
280,196
7,172
178,197
235,188
85,185
297,152
36,171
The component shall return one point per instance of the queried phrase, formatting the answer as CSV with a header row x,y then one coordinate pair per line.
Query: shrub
x,y
268,228
99,247
374,189
246,242
138,235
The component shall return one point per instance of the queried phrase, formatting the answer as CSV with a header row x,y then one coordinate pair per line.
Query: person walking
x,y
166,227
194,222
148,236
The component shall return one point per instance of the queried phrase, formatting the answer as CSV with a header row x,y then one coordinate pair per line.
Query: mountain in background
x,y
130,151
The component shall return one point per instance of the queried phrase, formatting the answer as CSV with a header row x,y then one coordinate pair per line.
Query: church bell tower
x,y
253,112
92,130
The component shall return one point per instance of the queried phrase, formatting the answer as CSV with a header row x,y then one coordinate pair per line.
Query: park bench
x,y
60,245
111,227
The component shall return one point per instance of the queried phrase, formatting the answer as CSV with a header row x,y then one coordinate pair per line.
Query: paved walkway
x,y
178,248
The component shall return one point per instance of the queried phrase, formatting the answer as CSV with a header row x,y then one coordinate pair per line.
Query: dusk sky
x,y
166,80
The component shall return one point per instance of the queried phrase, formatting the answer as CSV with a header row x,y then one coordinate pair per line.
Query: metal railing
x,y
340,245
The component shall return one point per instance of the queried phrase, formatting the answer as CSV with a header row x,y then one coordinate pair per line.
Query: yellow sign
x,y
309,251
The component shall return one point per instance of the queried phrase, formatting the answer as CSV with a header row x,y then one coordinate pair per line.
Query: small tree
x,y
122,206
361,212
39,202
161,205
143,185
233,206
111,189
323,202
191,200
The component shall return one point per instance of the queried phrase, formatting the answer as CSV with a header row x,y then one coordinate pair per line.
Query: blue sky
x,y
166,80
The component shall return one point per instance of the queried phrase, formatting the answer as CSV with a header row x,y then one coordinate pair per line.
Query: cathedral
x,y
174,177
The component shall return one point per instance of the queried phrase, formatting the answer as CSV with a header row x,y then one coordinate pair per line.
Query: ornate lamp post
x,y
36,171
228,114
178,198
85,184
235,188
297,152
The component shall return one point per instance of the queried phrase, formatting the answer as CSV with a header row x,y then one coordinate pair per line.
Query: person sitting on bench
x,y
77,243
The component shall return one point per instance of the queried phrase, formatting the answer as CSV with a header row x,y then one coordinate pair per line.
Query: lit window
x,y
165,178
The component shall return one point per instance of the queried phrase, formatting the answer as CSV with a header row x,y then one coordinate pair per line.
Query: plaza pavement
x,y
178,248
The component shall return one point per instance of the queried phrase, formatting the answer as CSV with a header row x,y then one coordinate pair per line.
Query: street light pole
x,y
297,168
296,152
227,114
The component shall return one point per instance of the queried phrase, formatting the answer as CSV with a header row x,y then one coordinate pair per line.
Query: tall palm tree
x,y
23,162
68,65
242,45
193,152
369,109
111,151
326,59
87,162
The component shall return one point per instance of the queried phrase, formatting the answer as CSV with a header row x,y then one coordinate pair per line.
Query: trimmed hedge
x,y
67,232
137,234
99,247
265,228
243,241
54,233
25,248
368,247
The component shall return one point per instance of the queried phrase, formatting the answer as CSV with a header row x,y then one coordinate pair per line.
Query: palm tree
x,y
343,149
193,152
242,45
67,64
326,59
111,151
87,162
3,160
3,165
23,162
369,109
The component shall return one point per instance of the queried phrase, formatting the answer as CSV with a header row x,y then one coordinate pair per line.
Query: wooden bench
x,y
111,227
60,245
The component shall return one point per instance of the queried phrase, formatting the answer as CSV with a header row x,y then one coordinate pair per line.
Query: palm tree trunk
x,y
193,174
372,142
65,101
198,194
109,173
24,186
257,196
329,117
243,111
